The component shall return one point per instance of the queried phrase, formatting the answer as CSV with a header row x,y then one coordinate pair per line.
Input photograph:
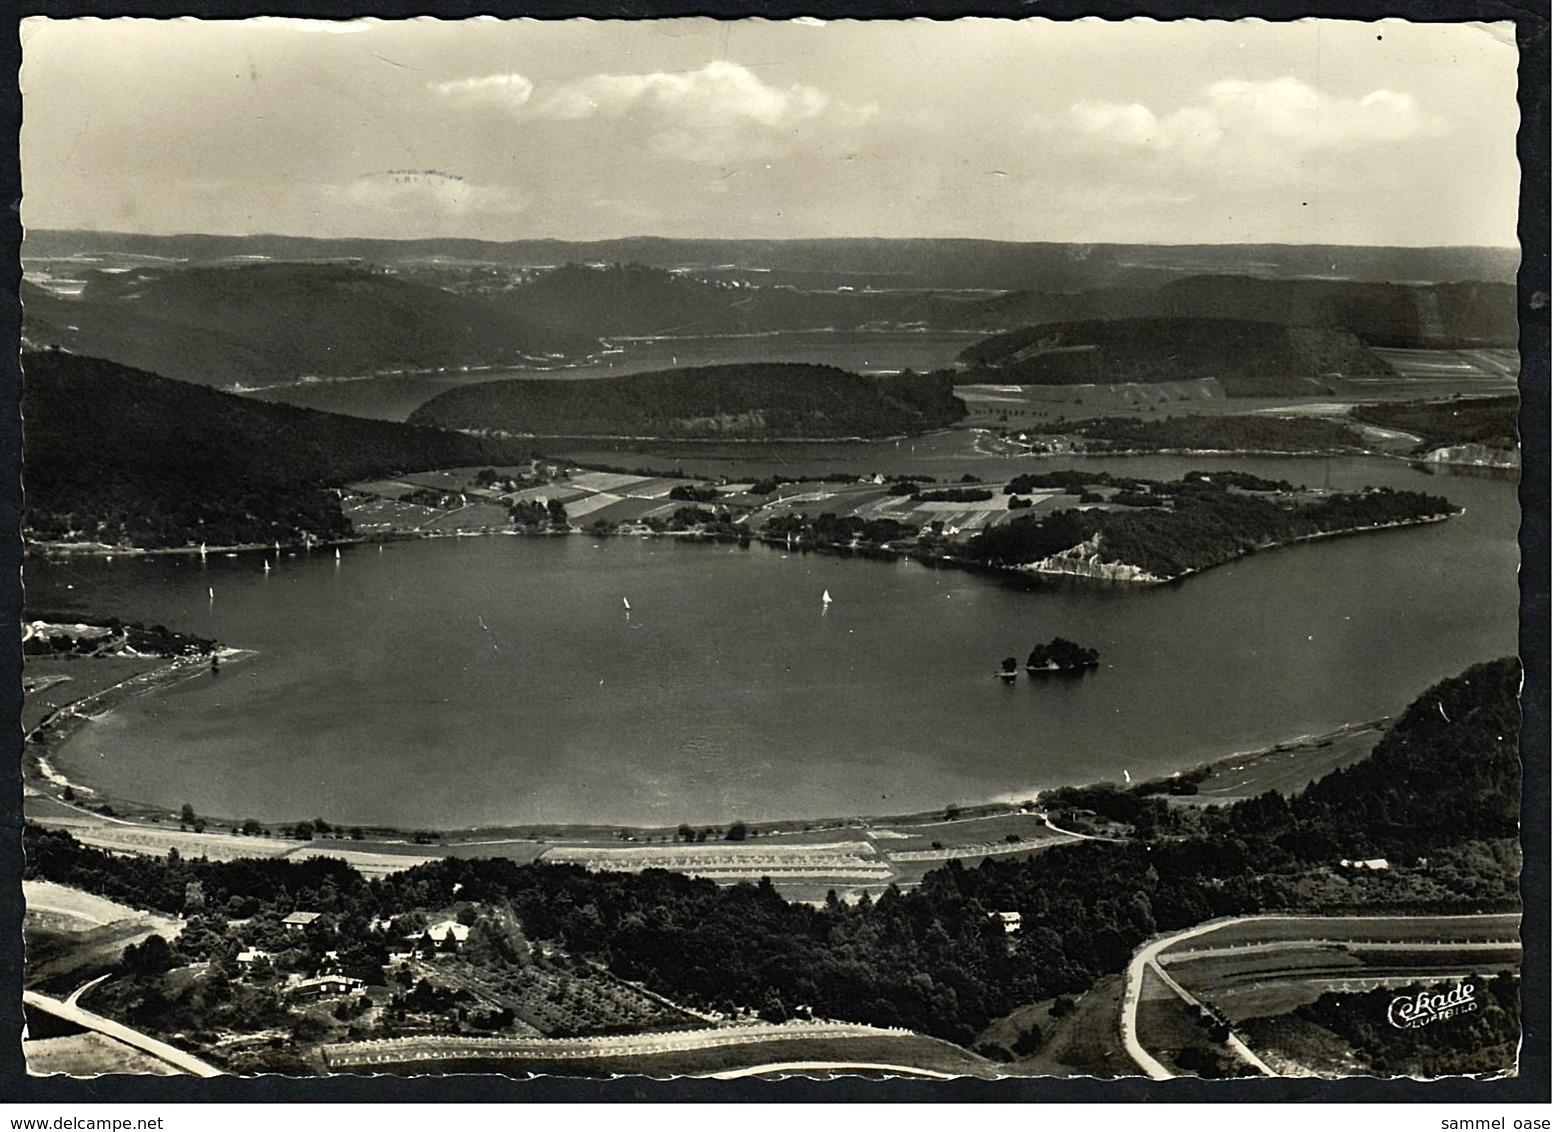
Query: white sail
x,y
626,604
827,598
267,567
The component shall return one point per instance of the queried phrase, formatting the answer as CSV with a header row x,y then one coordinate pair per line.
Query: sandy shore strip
x,y
59,725
848,850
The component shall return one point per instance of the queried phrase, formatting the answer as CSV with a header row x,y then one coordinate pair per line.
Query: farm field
x,y
1287,768
377,507
69,933
89,1054
660,1055
1490,362
1262,967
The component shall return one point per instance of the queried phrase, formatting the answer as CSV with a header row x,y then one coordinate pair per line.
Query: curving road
x,y
70,1012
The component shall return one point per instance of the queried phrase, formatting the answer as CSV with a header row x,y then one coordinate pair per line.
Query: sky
x,y
1082,132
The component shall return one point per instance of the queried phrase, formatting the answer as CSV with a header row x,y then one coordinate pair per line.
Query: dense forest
x,y
1439,797
1492,421
759,400
119,456
1249,358
1180,528
1482,1041
1469,313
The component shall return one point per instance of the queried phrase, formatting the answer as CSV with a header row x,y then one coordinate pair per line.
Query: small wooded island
x,y
1061,655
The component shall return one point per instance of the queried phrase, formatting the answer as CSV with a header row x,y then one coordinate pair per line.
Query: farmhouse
x,y
298,921
322,985
445,936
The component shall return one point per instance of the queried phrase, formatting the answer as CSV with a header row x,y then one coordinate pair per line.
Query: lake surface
x,y
394,397
492,681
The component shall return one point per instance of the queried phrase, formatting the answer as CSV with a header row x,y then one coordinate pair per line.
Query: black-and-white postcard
x,y
693,548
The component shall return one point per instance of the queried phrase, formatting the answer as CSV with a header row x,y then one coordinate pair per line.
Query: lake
x,y
495,681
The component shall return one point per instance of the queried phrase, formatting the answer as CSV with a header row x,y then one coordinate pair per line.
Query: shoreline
x,y
57,727
1137,575
42,779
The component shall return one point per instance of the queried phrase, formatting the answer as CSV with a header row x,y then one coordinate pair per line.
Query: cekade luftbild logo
x,y
1410,1012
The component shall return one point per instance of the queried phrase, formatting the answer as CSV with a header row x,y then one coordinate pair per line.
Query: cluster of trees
x,y
1205,526
434,497
752,400
831,530
125,457
1482,1041
693,493
1061,655
946,494
1445,789
1492,421
531,514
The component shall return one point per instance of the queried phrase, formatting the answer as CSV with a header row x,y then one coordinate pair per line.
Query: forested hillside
x,y
1249,358
1179,528
119,456
1492,421
256,323
744,401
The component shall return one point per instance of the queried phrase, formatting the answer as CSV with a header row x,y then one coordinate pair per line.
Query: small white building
x,y
322,985
1011,921
1374,863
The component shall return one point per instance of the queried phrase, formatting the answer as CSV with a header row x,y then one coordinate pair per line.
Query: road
x,y
1149,957
70,1012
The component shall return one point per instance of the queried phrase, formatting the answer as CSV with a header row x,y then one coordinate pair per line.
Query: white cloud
x,y
1285,116
505,92
718,113
719,93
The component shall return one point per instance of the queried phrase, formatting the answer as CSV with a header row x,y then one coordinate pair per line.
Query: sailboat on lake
x,y
828,601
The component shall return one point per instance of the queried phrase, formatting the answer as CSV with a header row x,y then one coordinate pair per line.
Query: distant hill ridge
x,y
118,456
260,322
766,400
928,262
1249,358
